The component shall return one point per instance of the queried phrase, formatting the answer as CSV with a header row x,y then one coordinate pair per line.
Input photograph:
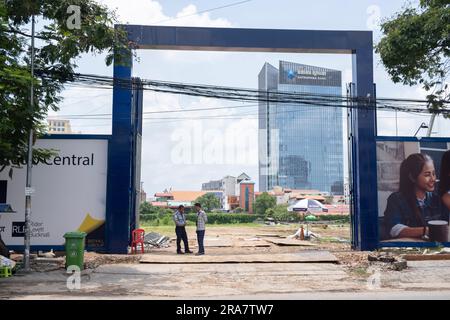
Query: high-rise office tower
x,y
300,145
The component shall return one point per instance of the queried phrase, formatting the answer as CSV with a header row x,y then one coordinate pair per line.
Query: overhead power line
x,y
253,95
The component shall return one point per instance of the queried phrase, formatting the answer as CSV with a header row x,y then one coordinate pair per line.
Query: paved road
x,y
359,295
422,280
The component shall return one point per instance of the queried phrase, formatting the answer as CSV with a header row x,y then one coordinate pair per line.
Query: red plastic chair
x,y
137,239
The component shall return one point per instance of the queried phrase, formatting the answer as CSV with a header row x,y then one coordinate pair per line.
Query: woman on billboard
x,y
444,179
416,203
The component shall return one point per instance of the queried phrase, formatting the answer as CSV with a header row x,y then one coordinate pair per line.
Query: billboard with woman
x,y
413,190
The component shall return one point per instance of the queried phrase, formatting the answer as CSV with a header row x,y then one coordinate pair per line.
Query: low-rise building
x,y
58,126
230,187
173,198
334,204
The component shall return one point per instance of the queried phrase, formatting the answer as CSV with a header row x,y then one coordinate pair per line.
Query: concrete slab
x,y
300,257
251,244
425,257
217,243
232,280
304,269
188,281
265,235
420,275
289,242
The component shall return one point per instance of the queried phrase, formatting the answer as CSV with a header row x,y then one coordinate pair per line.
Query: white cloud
x,y
185,153
188,16
158,169
149,12
136,11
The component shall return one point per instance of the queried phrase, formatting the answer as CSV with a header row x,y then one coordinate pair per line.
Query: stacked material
x,y
156,240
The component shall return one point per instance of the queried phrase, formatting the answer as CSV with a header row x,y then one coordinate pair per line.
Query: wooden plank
x,y
289,242
251,244
227,243
310,256
425,257
404,240
217,243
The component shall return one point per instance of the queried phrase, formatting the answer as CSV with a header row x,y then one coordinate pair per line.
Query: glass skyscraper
x,y
300,145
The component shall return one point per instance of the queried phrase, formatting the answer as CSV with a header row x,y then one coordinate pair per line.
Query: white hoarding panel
x,y
68,194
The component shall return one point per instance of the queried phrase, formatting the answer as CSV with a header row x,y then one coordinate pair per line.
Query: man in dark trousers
x,y
202,219
180,229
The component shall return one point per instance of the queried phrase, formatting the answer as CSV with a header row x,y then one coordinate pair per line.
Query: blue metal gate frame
x,y
121,166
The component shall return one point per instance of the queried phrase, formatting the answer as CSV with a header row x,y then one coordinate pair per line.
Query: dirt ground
x,y
124,277
333,237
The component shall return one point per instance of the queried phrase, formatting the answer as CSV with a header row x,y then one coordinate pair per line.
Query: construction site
x,y
241,262
286,150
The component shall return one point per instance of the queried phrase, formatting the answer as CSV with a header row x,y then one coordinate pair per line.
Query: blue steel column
x,y
364,160
119,189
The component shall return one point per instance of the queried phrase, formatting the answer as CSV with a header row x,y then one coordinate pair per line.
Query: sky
x,y
183,150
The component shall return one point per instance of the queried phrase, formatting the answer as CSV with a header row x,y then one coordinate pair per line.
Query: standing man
x,y
180,229
202,219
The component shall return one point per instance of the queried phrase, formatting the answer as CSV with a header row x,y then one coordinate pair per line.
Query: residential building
x,y
58,126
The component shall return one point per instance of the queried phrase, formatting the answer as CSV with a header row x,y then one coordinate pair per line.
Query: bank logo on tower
x,y
291,74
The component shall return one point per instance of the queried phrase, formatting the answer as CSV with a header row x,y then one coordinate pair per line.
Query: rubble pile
x,y
393,262
93,260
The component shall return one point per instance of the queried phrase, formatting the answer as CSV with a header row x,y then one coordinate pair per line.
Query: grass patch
x,y
360,272
170,229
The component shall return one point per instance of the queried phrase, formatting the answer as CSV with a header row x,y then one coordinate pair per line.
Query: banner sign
x,y
68,194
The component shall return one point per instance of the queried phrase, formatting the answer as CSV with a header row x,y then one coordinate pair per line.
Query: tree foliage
x,y
264,202
209,201
146,208
415,49
58,46
280,213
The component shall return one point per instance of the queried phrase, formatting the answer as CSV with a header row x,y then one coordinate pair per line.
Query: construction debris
x,y
41,264
303,234
381,257
47,264
5,262
154,239
92,260
396,263
399,265
49,254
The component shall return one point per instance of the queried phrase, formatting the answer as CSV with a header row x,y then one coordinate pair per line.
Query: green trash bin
x,y
75,249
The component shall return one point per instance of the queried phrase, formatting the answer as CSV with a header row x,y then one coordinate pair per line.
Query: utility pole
x,y
27,237
396,124
430,126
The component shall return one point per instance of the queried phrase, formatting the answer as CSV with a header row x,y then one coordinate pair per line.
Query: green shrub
x,y
213,218
334,217
233,218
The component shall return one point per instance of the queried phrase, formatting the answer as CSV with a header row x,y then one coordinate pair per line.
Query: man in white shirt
x,y
202,219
